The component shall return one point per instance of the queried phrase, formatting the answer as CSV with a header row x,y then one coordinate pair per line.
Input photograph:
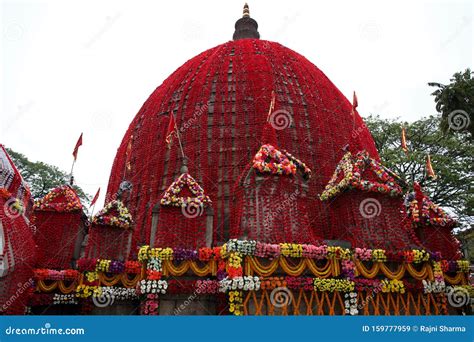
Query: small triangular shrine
x,y
61,199
114,214
172,198
431,213
351,173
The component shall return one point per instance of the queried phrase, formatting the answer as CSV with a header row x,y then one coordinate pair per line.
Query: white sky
x,y
83,66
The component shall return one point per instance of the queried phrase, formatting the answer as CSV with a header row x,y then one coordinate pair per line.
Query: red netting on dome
x,y
220,100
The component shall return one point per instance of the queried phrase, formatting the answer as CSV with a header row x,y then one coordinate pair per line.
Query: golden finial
x,y
246,11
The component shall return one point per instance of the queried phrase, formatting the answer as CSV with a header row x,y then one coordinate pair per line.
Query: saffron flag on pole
x,y
355,103
272,106
404,141
76,149
429,168
171,130
95,197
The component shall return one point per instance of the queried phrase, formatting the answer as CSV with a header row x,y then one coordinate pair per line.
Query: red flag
x,y
95,197
429,168
404,141
171,129
355,104
79,143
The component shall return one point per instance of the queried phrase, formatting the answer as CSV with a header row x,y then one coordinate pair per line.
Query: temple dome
x,y
220,100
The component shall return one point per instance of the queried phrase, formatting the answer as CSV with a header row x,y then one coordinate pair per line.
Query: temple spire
x,y
246,27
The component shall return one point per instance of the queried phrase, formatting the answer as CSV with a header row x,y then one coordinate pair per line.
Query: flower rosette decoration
x,y
338,252
86,291
296,283
47,274
348,269
350,303
150,305
132,267
393,285
368,285
292,250
207,286
118,293
60,199
147,286
463,266
270,283
335,184
270,160
378,255
114,214
315,252
236,303
171,198
305,170
181,254
59,299
103,265
363,254
245,283
267,250
331,285
244,247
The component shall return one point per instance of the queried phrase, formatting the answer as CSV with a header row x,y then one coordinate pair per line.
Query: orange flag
x,y
404,141
171,129
272,106
355,103
95,197
76,149
429,168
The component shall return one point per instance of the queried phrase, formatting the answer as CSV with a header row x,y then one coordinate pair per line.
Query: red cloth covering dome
x,y
220,100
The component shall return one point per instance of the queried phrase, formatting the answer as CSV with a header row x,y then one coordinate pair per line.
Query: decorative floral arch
x,y
171,198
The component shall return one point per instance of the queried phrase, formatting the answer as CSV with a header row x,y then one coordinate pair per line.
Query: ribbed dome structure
x,y
220,100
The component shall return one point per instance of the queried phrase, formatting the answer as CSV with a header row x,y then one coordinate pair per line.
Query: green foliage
x,y
451,157
455,102
42,177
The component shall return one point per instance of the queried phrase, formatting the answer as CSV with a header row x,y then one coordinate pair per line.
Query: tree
x,y
455,102
451,157
42,177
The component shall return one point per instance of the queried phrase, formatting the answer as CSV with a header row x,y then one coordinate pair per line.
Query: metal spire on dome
x,y
246,27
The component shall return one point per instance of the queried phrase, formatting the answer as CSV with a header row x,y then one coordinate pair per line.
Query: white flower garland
x,y
152,286
350,303
433,286
64,299
246,283
118,293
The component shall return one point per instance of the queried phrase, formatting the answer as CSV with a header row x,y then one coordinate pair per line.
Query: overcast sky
x,y
88,66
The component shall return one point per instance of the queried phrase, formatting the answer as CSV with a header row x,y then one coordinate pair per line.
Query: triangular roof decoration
x,y
431,214
171,198
348,175
114,214
61,199
271,160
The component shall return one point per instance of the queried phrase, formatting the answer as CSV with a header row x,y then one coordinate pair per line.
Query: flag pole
x,y
71,179
179,140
